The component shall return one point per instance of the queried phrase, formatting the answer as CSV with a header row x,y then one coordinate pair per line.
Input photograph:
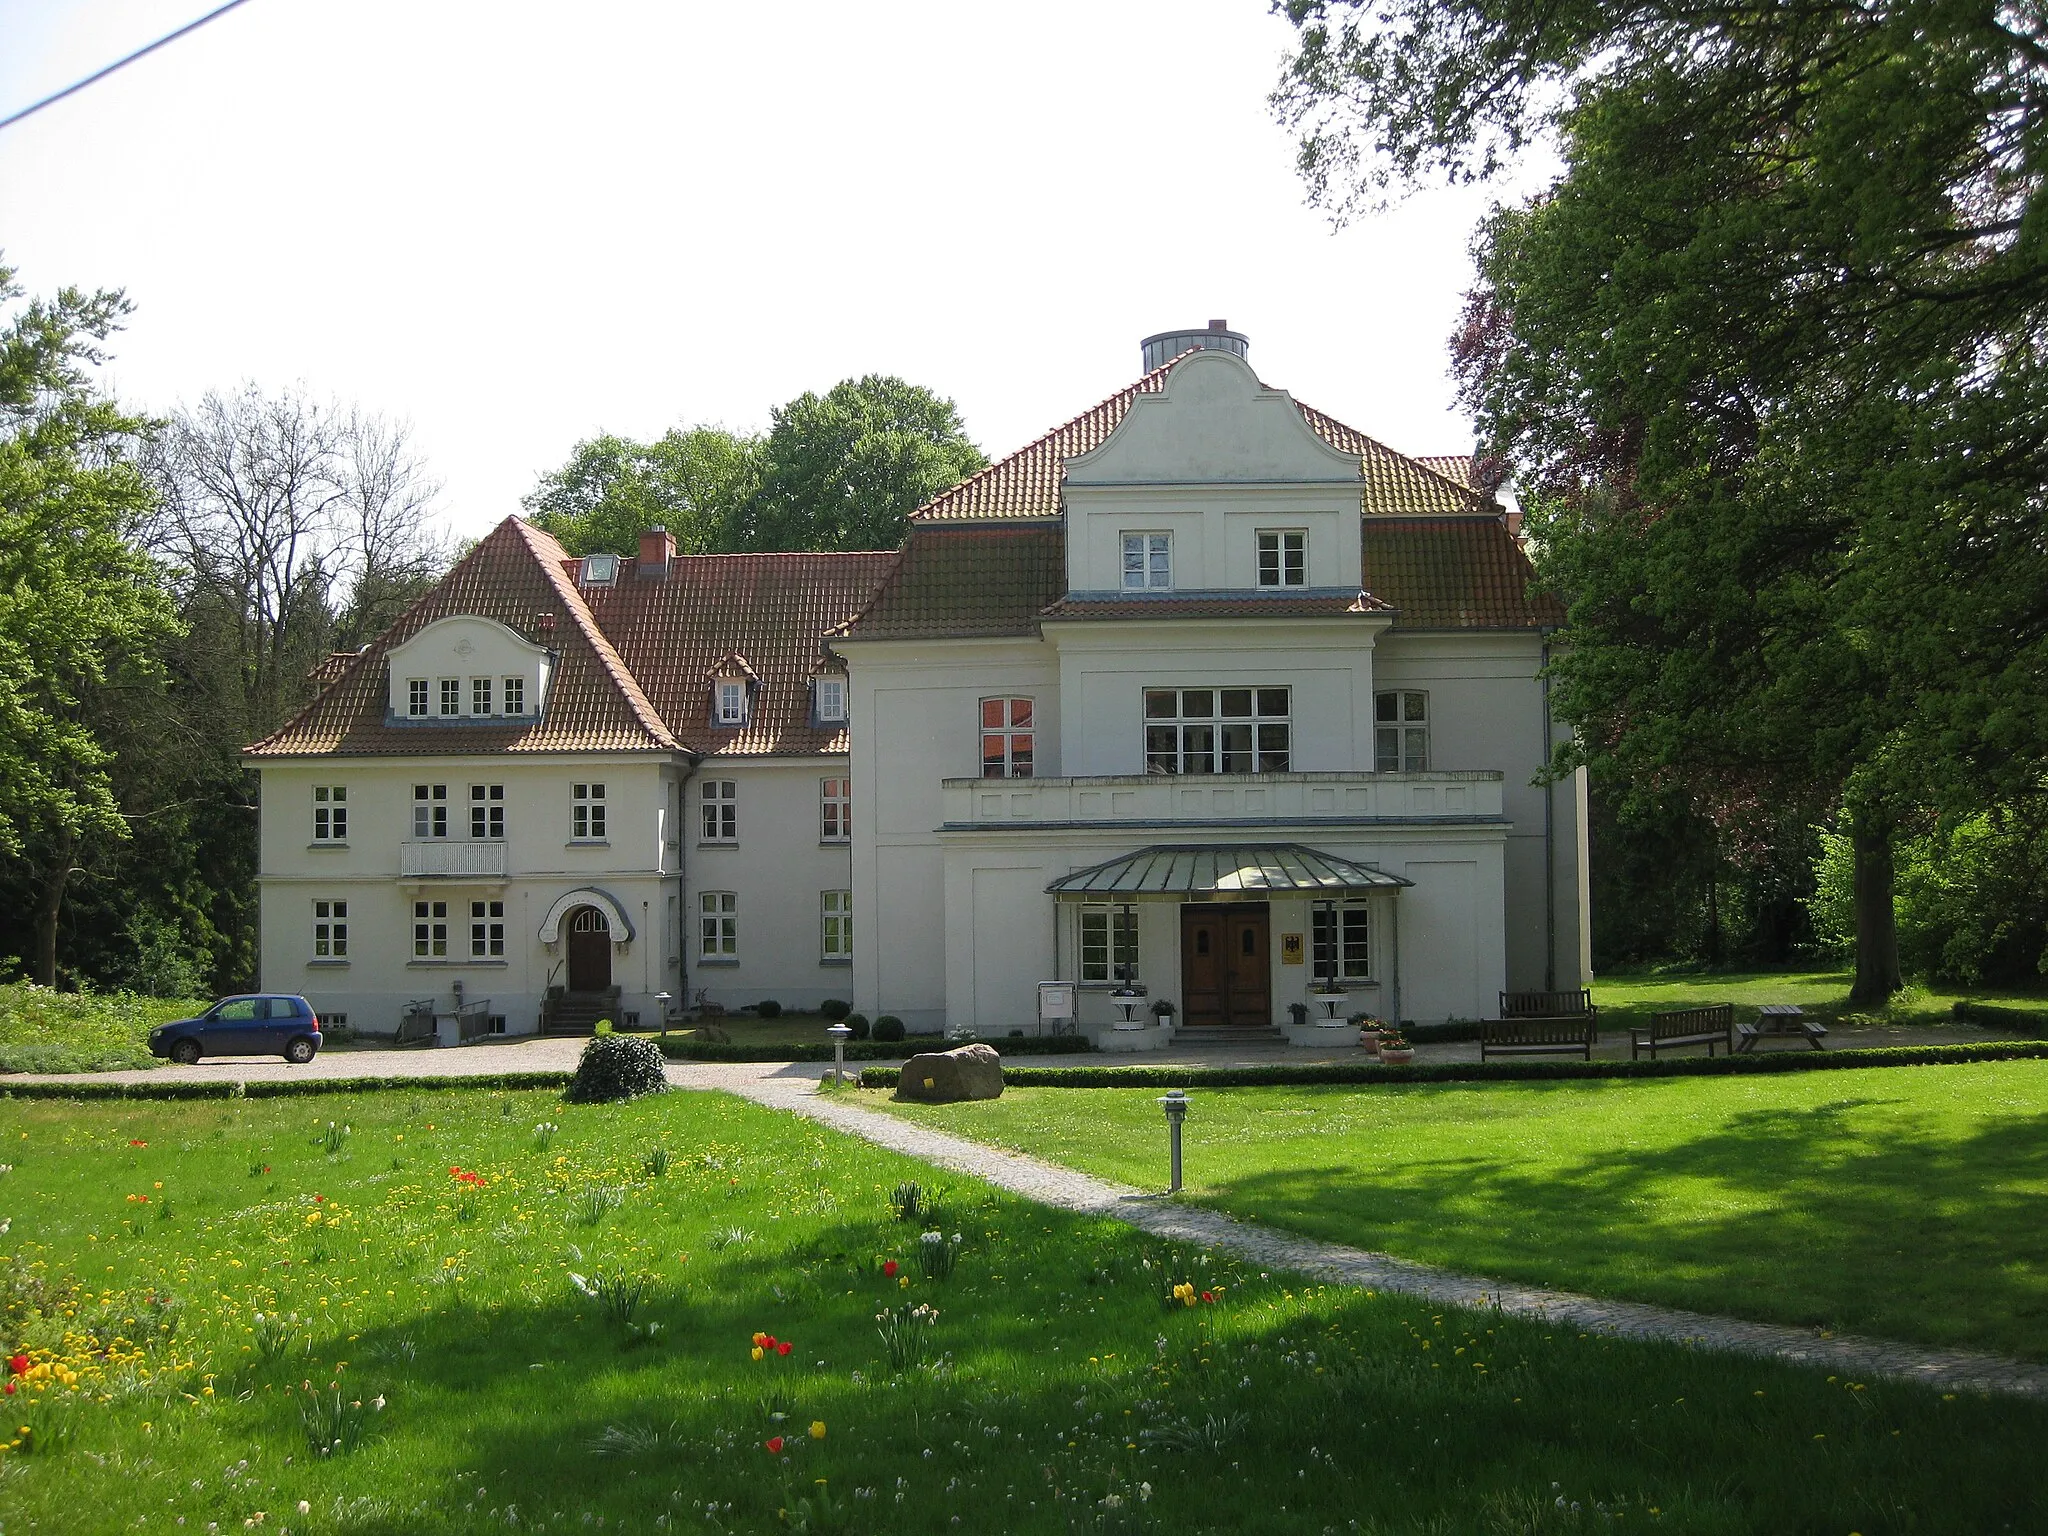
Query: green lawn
x,y
1630,997
1903,1201
46,1031
210,1274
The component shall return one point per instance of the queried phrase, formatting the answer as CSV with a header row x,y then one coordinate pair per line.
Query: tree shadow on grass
x,y
1290,1412
1784,1215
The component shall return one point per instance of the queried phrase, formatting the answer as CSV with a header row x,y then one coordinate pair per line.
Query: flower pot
x,y
1399,1058
1370,1039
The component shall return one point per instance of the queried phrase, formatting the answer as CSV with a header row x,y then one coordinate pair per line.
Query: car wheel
x,y
185,1052
299,1052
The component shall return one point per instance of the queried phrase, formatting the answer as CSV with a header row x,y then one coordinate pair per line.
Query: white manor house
x,y
1203,693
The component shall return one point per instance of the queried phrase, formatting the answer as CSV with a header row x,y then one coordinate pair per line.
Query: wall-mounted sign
x,y
1290,949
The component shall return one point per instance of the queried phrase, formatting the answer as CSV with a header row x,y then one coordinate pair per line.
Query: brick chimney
x,y
657,549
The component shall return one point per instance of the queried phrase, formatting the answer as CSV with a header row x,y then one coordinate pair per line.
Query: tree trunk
x,y
48,905
1877,927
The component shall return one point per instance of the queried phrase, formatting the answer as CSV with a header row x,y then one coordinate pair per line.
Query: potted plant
x,y
1369,1032
1395,1050
1162,1009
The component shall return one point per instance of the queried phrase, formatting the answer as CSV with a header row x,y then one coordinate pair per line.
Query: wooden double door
x,y
1226,976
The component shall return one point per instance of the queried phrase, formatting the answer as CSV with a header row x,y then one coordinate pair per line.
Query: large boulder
x,y
947,1077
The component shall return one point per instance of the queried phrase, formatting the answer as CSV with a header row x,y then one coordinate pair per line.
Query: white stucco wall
x,y
915,722
636,863
462,649
1105,668
778,870
1486,711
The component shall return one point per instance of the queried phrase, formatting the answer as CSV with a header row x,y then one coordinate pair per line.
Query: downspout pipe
x,y
1549,828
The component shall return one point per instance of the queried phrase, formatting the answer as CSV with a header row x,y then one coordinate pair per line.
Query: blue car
x,y
255,1024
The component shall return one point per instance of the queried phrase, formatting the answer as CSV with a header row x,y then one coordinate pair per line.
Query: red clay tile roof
x,y
1027,483
1253,604
1452,466
1454,573
515,575
967,579
772,609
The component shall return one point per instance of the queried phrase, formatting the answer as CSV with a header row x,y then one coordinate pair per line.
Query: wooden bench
x,y
1685,1026
1541,1024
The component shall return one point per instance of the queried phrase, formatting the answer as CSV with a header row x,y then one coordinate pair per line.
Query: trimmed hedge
x,y
1495,1071
869,1050
274,1088
2021,1021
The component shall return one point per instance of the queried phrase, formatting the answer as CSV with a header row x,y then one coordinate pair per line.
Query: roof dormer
x,y
734,685
465,670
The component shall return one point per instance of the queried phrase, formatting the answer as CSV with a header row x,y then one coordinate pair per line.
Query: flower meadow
x,y
481,1310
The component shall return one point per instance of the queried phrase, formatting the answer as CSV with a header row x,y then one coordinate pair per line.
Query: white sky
x,y
518,225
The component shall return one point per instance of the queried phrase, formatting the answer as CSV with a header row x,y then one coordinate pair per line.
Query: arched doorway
x,y
590,950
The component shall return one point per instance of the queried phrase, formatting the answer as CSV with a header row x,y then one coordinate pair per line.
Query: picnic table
x,y
1781,1020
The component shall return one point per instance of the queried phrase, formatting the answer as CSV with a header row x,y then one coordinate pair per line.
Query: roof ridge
x,y
607,656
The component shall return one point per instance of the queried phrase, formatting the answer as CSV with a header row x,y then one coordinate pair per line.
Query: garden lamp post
x,y
840,1034
1176,1106
661,1001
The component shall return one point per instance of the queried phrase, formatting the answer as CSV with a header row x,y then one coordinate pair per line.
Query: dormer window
x,y
828,699
600,570
731,697
466,669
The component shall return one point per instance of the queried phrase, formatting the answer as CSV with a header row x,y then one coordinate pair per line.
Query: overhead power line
x,y
169,37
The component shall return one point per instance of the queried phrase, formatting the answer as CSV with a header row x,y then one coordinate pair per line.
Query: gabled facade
x,y
1202,693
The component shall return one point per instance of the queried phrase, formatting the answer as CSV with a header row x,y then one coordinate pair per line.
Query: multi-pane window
x,y
1283,558
416,696
1216,730
330,930
732,701
718,925
1401,732
515,695
451,695
330,813
1148,562
1343,948
487,811
480,695
1109,943
487,930
429,810
721,810
430,930
835,810
830,694
586,812
1006,738
837,943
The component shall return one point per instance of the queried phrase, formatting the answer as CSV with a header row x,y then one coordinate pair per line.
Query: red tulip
x,y
889,1270
10,1389
783,1349
135,1143
17,1363
775,1446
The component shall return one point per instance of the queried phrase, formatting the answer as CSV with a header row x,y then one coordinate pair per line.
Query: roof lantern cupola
x,y
1163,348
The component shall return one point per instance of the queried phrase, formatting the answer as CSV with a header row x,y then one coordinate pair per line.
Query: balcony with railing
x,y
452,859
1225,798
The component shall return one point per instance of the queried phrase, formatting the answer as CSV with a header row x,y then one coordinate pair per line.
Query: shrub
x,y
767,1008
616,1067
858,1023
835,1009
888,1027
